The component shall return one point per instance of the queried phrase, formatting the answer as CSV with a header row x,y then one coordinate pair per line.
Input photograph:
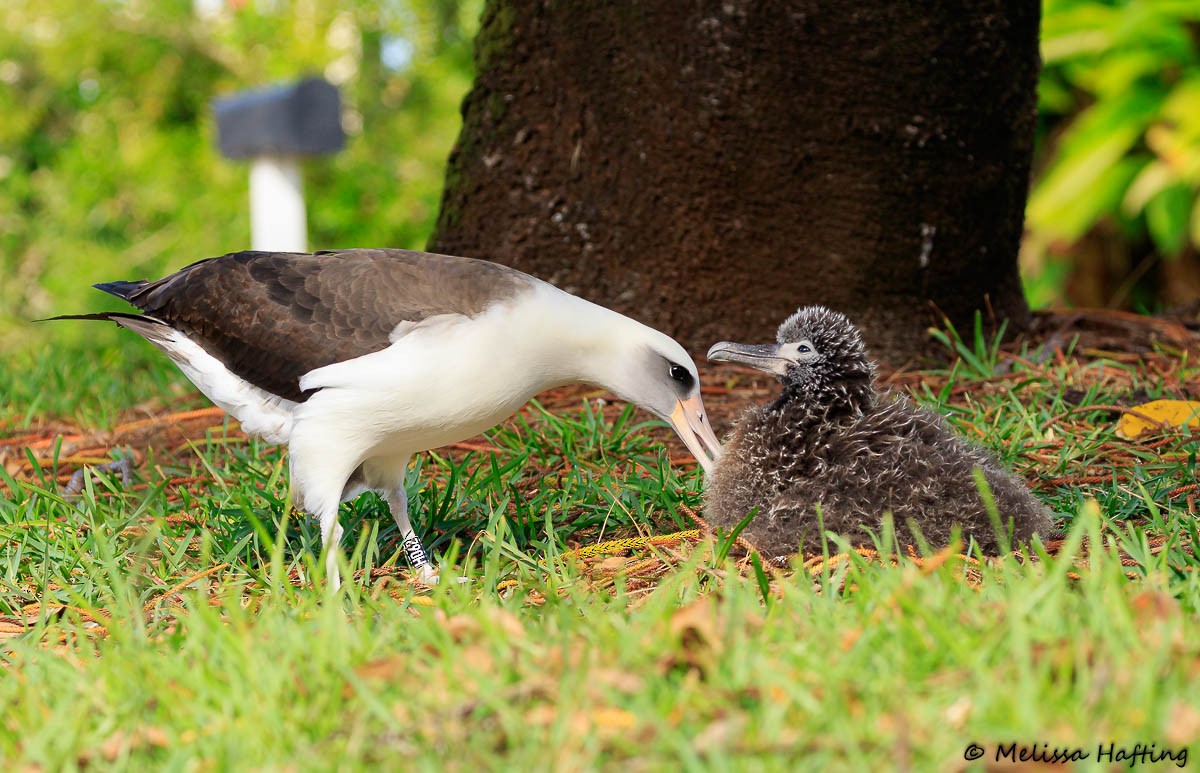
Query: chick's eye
x,y
681,374
804,348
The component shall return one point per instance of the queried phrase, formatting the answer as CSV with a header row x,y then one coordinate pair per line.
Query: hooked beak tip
x,y
715,351
691,424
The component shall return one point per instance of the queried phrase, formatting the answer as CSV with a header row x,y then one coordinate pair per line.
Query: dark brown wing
x,y
271,317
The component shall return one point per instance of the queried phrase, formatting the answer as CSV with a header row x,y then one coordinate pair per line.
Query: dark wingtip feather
x,y
102,317
153,330
122,289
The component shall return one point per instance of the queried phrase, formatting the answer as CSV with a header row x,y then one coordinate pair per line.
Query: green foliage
x,y
1120,109
526,666
981,355
531,665
108,164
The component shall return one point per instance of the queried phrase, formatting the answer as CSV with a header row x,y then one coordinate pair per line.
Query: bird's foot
x,y
122,464
429,575
418,559
424,570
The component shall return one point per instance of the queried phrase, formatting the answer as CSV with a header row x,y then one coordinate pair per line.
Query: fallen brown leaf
x,y
1182,727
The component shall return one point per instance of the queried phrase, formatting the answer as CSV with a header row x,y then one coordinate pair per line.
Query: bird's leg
x,y
325,510
331,540
318,479
414,551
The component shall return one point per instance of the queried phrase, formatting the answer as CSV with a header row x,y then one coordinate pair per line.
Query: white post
x,y
277,220
208,9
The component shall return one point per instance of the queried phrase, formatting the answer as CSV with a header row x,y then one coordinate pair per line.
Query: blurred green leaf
x,y
1119,102
1121,72
1070,32
1195,226
108,160
1078,186
1167,216
1154,177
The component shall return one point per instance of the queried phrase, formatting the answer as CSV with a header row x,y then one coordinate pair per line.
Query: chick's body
x,y
832,441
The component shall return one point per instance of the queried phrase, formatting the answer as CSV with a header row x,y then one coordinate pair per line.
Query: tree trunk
x,y
708,166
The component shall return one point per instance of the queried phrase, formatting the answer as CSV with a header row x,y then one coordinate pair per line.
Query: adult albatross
x,y
358,359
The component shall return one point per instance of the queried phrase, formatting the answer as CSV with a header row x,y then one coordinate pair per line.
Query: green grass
x,y
533,663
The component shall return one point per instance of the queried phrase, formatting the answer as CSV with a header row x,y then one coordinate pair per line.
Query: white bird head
x,y
650,369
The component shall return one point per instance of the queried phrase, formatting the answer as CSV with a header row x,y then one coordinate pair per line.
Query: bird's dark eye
x,y
682,375
804,348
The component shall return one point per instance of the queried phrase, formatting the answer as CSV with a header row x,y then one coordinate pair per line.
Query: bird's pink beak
x,y
691,424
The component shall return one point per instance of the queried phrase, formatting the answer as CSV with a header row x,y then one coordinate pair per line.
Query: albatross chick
x,y
832,440
358,359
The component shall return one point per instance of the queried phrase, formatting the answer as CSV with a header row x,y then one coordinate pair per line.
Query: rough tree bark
x,y
707,166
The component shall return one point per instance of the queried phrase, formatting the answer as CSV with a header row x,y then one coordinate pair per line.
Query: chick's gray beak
x,y
765,357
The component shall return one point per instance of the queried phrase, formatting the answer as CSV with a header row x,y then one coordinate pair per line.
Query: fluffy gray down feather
x,y
833,440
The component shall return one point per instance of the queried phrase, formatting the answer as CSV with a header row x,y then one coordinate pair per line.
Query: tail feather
x,y
122,289
147,327
104,316
155,331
